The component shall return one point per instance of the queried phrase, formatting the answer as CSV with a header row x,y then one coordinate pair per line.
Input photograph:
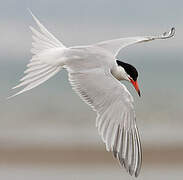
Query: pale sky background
x,y
85,21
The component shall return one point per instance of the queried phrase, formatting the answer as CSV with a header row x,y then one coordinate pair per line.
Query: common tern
x,y
95,73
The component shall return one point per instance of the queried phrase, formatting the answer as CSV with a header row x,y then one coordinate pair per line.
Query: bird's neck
x,y
119,73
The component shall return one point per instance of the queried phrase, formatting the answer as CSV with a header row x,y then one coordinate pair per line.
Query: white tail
x,y
43,65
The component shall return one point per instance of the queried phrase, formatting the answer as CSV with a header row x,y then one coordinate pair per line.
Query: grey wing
x,y
115,45
115,121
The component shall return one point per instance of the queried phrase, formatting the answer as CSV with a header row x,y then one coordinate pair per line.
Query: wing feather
x,y
115,114
115,45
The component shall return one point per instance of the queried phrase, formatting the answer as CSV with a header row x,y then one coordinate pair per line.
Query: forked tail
x,y
46,49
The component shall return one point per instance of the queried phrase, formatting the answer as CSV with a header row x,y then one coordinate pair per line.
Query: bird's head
x,y
130,74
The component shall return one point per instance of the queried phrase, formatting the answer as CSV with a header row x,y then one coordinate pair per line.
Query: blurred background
x,y
49,133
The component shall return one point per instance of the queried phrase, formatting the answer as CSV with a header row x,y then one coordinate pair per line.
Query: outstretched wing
x,y
115,45
115,114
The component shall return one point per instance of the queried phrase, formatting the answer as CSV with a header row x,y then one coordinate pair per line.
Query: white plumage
x,y
94,76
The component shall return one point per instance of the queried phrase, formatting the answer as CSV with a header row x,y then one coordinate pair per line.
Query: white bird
x,y
95,76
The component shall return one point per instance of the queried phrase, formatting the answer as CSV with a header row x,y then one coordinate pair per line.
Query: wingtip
x,y
136,174
169,34
172,32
